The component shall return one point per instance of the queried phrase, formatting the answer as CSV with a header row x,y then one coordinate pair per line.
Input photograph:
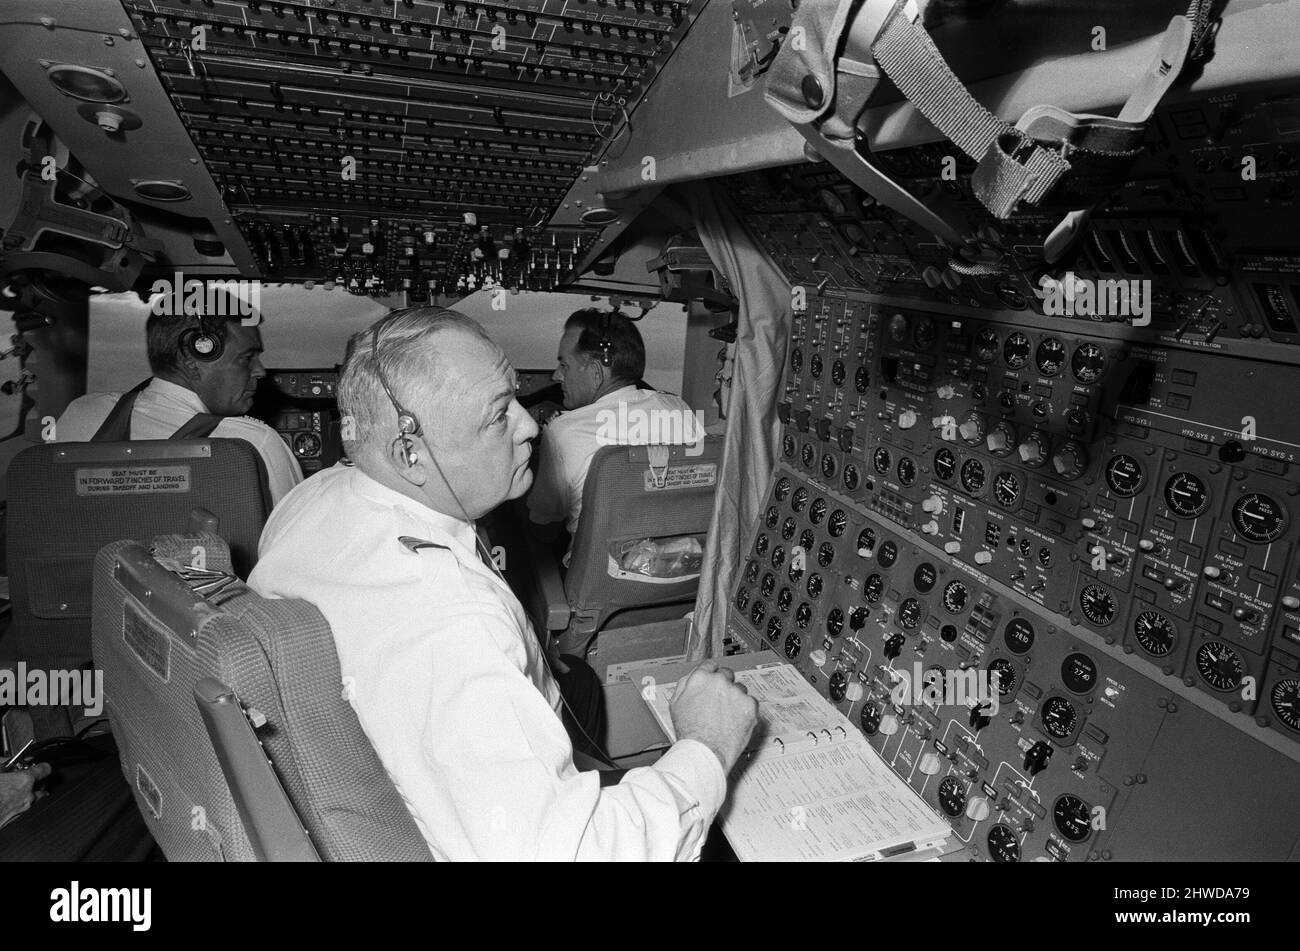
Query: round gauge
x,y
881,460
769,585
898,328
1285,701
817,511
1155,633
909,614
803,615
925,577
815,366
831,201
815,586
888,554
1025,547
952,796
778,556
866,541
796,360
793,644
825,554
1219,665
1005,673
861,379
808,455
838,686
772,516
1124,476
1079,673
973,476
306,445
1098,604
986,345
839,521
925,335
1006,488
796,571
851,478
751,571
828,466
789,446
854,234
858,618
872,588
742,598
1186,495
906,471
1050,357
789,527
1019,635
955,596
784,600
761,544
1015,352
1003,846
1087,363
757,612
1258,518
1072,818
869,718
1059,717
1010,295
807,538
783,488
838,373
945,465
835,622
1045,557
774,629
800,500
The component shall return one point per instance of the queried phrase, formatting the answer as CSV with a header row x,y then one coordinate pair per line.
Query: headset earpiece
x,y
604,345
202,344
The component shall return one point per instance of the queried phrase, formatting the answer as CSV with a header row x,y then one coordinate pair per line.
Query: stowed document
x,y
809,786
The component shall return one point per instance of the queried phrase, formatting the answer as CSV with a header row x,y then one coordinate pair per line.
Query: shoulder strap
x,y
117,425
200,426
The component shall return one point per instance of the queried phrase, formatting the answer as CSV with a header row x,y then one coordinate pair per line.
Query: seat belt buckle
x,y
657,459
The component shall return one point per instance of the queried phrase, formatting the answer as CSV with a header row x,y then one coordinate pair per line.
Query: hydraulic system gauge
x,y
925,577
925,334
952,796
906,471
986,345
1003,672
783,487
973,476
778,556
1155,633
869,718
1284,698
742,598
839,521
1019,635
888,554
793,644
757,612
835,622
825,554
818,511
1186,495
1006,488
881,460
800,500
1124,476
1015,352
1088,363
784,600
773,629
1059,717
803,615
772,517
1003,844
872,588
1259,518
761,544
789,527
1050,357
1219,665
769,585
838,686
1072,818
866,541
1079,673
945,465
815,586
807,538
909,614
1098,604
955,596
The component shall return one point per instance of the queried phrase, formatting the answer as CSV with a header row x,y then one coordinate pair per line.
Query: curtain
x,y
753,432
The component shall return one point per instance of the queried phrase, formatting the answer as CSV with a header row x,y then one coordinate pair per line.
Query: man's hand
x,y
17,790
711,707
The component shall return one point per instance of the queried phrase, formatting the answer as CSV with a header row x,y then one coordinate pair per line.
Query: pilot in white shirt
x,y
601,357
203,383
438,659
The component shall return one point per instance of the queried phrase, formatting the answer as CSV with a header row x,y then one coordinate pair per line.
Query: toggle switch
x,y
930,764
977,810
1089,523
1291,602
1211,571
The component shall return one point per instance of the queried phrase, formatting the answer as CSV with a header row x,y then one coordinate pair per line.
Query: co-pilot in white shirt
x,y
451,686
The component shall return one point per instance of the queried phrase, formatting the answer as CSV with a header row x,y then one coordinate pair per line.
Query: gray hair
x,y
410,362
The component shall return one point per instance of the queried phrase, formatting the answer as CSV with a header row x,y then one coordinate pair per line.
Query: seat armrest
x,y
552,603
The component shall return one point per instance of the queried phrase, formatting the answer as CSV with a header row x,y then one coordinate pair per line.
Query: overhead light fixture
x,y
86,84
161,190
600,216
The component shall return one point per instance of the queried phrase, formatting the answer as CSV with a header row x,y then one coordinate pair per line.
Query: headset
x,y
202,343
408,429
604,344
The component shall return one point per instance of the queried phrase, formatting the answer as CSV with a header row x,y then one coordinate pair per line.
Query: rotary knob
x,y
1001,439
972,428
1070,461
977,810
1033,451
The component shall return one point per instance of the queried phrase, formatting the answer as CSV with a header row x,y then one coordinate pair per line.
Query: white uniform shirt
x,y
161,408
451,686
571,440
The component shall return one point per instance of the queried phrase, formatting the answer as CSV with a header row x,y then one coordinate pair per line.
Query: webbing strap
x,y
116,427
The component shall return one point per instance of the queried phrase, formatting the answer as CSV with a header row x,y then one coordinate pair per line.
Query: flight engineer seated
x,y
205,371
601,361
462,702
